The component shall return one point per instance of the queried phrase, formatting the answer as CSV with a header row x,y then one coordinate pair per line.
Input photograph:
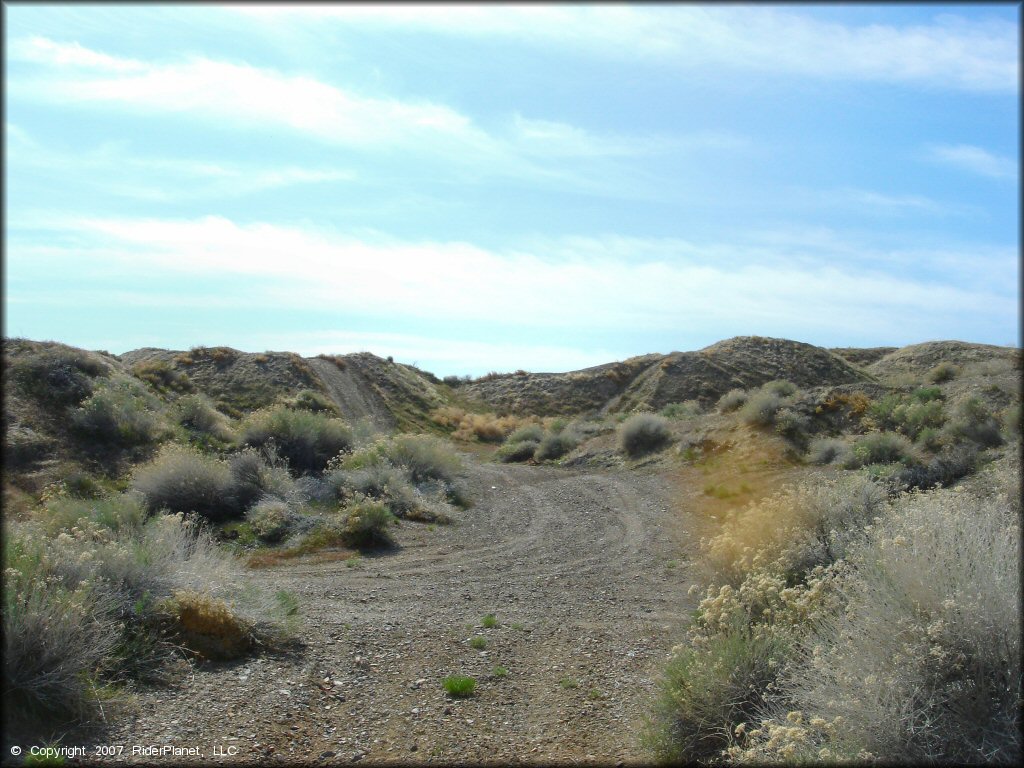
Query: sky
x,y
492,187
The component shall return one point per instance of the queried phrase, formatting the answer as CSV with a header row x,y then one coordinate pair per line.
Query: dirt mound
x,y
557,394
653,381
862,356
917,360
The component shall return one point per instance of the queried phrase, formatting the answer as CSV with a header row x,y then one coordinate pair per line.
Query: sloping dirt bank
x,y
586,575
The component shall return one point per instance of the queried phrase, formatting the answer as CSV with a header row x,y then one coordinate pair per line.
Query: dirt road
x,y
586,575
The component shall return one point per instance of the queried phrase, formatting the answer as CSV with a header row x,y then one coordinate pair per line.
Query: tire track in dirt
x,y
574,564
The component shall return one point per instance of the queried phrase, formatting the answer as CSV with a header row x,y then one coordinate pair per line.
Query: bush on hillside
x,y
367,524
731,400
943,372
684,410
120,412
881,448
554,446
255,475
270,519
643,433
60,375
425,457
779,387
760,408
181,479
162,377
973,422
534,432
197,413
943,469
310,400
828,450
521,450
306,440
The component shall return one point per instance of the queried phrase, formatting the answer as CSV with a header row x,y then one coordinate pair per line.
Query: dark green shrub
x,y
120,412
306,440
927,394
555,446
521,450
181,479
643,433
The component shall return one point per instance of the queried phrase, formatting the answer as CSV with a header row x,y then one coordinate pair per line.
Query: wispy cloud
x,y
951,52
976,160
781,286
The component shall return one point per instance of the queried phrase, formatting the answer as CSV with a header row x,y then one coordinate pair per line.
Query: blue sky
x,y
475,188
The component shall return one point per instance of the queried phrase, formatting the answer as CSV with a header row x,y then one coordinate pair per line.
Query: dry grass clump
x,y
760,408
207,626
270,519
426,458
306,440
943,372
310,400
470,427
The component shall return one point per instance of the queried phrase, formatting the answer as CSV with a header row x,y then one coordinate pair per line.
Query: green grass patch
x,y
459,686
489,621
478,642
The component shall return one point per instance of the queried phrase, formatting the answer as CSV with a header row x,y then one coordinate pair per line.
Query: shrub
x,y
944,469
270,520
685,410
119,412
161,376
555,446
973,422
642,433
181,479
828,451
927,394
779,387
760,408
534,432
383,482
58,374
254,476
792,424
708,690
425,457
459,686
1013,423
944,371
518,451
881,448
731,400
306,440
122,512
197,412
366,525
478,642
489,621
308,400
924,663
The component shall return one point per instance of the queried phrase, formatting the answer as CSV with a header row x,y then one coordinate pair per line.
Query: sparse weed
x,y
568,683
489,621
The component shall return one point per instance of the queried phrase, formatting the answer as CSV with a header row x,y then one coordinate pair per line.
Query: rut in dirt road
x,y
585,572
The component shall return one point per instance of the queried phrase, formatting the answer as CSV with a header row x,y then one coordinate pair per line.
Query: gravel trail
x,y
586,574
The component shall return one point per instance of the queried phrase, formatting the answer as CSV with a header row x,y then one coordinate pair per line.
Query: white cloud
x,y
816,281
976,160
950,52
